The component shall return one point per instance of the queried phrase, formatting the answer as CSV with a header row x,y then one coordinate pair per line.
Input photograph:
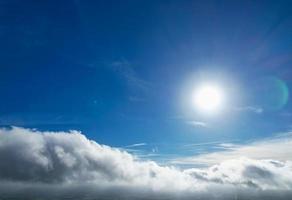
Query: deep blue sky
x,y
117,70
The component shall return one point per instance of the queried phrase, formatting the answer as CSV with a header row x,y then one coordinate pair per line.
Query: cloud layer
x,y
50,165
277,148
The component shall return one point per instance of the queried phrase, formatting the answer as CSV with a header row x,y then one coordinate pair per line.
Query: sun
x,y
208,98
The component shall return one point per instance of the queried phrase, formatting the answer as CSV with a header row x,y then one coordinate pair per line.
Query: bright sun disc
x,y
208,98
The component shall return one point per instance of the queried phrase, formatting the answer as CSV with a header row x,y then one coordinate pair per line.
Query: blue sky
x,y
122,71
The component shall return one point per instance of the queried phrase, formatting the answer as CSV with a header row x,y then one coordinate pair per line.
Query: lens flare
x,y
274,93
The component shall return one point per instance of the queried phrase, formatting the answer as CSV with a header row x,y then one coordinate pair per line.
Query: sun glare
x,y
208,98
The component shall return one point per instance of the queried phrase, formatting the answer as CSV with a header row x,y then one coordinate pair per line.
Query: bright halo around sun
x,y
208,98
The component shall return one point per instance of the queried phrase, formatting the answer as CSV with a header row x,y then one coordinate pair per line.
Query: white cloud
x,y
137,145
255,109
277,148
197,123
56,165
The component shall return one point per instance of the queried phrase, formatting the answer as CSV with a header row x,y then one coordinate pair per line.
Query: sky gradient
x,y
122,74
118,71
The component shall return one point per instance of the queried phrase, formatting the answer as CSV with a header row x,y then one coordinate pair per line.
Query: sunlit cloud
x,y
278,148
66,164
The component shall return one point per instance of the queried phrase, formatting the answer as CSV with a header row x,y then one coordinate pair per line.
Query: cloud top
x,y
67,162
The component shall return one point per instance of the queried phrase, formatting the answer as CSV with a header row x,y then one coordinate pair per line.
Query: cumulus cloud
x,y
66,165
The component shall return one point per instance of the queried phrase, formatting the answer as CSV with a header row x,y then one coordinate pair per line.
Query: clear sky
x,y
123,72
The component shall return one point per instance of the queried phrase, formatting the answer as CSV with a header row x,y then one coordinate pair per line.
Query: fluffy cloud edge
x,y
44,165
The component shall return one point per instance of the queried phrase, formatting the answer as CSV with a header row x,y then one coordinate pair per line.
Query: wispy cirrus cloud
x,y
254,109
126,70
197,123
136,145
58,165
277,148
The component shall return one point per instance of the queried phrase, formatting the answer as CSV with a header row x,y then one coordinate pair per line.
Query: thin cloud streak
x,y
136,145
254,109
278,148
125,69
197,123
